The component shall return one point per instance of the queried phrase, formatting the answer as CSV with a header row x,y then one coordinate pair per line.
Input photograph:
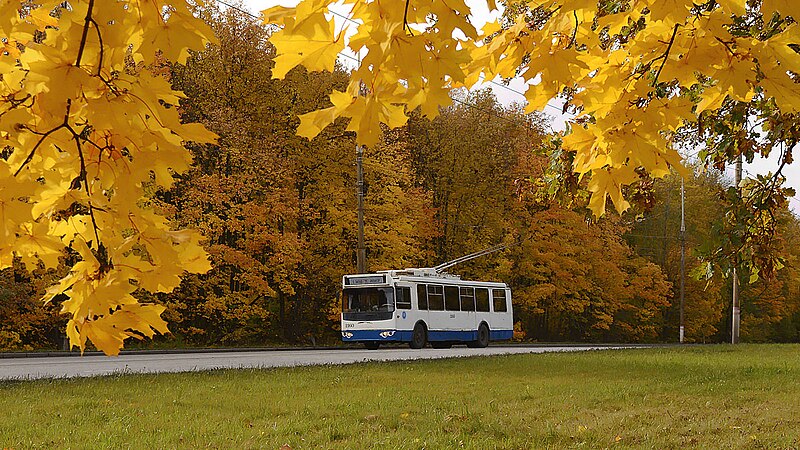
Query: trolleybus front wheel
x,y
372,345
419,337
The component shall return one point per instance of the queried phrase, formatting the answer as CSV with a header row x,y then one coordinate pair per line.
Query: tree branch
x,y
86,22
85,177
100,39
666,54
405,19
574,32
35,147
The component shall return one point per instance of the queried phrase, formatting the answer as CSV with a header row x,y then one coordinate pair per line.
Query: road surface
x,y
88,366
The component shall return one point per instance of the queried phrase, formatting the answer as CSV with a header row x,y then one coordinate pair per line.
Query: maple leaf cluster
x,y
633,72
89,129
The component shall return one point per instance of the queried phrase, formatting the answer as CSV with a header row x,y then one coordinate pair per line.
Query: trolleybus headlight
x,y
347,334
387,334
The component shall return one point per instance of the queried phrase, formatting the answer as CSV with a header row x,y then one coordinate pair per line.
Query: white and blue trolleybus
x,y
421,306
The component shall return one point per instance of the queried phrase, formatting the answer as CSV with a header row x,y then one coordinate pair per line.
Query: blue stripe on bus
x,y
405,336
500,335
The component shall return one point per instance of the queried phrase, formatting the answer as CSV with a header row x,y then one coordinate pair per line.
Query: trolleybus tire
x,y
419,337
483,337
372,345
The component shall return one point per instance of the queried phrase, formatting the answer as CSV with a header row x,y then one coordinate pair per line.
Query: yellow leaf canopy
x,y
634,77
92,127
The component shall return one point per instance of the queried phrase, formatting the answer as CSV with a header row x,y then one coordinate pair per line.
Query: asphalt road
x,y
88,366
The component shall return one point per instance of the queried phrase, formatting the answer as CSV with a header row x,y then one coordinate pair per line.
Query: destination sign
x,y
369,279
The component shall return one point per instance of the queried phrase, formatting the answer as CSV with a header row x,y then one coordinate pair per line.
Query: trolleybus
x,y
420,306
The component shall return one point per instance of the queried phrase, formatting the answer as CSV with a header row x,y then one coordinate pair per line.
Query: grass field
x,y
719,397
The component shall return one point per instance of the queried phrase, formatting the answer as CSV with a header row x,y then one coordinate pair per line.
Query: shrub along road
x,y
151,362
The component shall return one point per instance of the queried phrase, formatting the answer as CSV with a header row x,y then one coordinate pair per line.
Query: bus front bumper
x,y
375,335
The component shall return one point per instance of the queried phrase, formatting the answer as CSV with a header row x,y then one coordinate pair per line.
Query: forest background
x,y
279,215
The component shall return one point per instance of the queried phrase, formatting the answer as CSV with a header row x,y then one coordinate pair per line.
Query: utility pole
x,y
683,257
361,255
664,242
361,252
735,320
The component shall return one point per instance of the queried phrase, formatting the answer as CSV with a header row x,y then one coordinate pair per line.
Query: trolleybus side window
x,y
403,300
499,297
451,298
435,297
467,299
482,299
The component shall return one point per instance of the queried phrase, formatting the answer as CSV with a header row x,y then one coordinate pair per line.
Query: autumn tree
x,y
470,158
249,194
654,233
25,322
278,210
577,283
571,281
769,305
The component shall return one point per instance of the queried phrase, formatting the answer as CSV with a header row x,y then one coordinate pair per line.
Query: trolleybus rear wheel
x,y
483,337
419,337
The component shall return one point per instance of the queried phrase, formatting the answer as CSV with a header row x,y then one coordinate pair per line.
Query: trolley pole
x,y
736,313
683,258
361,255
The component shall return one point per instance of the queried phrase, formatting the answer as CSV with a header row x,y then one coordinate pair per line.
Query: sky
x,y
513,93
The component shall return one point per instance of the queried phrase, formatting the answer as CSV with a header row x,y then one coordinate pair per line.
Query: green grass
x,y
718,397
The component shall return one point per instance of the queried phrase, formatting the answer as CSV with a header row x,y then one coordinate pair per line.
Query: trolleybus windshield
x,y
368,303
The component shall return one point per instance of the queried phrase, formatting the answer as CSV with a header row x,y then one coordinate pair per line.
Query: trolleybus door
x,y
467,297
438,318
420,312
455,319
405,315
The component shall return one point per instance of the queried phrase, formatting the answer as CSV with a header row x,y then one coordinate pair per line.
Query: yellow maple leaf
x,y
278,14
430,98
316,52
784,90
193,258
35,242
782,7
144,319
103,333
669,11
196,132
175,36
779,48
40,16
711,99
608,183
586,141
311,124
